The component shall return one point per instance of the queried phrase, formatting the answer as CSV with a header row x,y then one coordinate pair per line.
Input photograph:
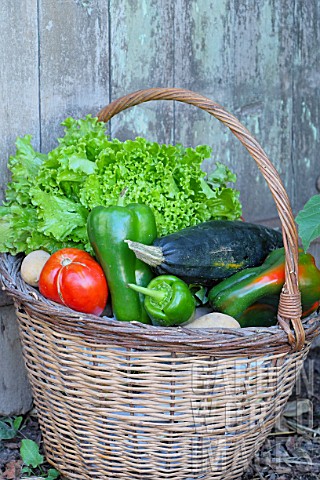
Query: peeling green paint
x,y
142,38
253,124
207,26
141,29
140,121
144,7
307,162
268,44
306,117
86,4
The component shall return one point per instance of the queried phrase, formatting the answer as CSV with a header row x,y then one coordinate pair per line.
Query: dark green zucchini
x,y
210,251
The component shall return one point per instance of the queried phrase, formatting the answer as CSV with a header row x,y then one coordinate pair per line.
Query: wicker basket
x,y
133,401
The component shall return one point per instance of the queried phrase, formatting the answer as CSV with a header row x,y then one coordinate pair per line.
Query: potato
x,y
214,320
32,265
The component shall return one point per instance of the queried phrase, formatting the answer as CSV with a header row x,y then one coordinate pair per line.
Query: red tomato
x,y
73,278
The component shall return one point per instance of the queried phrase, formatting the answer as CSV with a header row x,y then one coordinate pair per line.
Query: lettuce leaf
x,y
50,196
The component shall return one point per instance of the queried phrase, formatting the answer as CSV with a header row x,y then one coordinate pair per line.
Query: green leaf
x,y
17,423
27,161
7,430
29,452
59,216
9,427
221,176
308,220
200,294
52,474
81,165
209,193
26,470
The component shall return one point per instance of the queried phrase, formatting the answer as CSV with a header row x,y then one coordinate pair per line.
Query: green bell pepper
x,y
242,294
108,228
168,300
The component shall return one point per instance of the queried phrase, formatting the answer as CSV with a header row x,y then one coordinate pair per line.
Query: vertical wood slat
x,y
74,62
204,63
19,92
19,100
15,392
306,106
142,56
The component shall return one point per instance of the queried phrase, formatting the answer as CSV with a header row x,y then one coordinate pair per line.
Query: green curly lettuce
x,y
50,196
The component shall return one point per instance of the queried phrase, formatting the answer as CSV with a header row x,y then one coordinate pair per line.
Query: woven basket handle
x,y
289,311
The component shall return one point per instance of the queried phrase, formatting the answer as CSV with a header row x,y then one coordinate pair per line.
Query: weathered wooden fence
x,y
260,60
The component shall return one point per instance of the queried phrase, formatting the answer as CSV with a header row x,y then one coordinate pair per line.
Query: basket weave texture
x,y
134,401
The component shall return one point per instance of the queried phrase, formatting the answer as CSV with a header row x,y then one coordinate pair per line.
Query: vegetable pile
x,y
138,230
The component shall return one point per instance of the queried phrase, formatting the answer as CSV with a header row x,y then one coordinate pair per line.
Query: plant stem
x,y
158,295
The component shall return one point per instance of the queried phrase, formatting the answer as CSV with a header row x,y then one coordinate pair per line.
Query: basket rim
x,y
103,330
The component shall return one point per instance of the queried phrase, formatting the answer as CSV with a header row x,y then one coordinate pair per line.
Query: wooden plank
x,y
306,107
142,56
241,58
19,93
19,100
15,392
74,62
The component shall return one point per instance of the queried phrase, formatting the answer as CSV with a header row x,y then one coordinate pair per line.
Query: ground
x,y
291,452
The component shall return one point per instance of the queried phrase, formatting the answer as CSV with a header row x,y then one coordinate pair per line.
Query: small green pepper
x,y
168,301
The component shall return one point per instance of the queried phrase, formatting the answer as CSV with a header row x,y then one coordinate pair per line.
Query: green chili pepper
x,y
236,294
108,228
168,301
